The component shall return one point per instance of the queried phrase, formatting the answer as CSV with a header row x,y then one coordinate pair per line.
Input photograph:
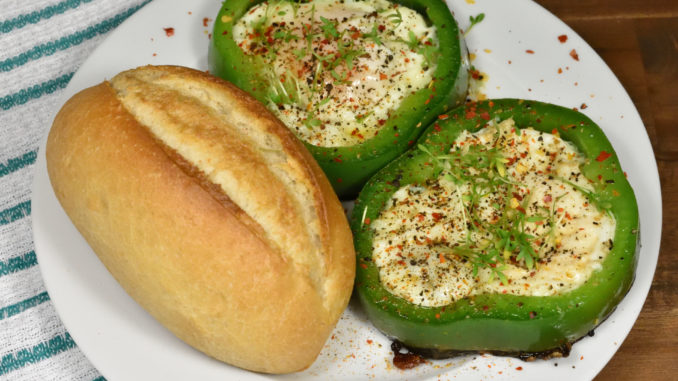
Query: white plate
x,y
125,343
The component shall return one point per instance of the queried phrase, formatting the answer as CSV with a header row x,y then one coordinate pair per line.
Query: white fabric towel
x,y
42,43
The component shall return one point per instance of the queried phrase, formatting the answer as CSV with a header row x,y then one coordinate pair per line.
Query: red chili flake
x,y
583,106
409,143
573,54
603,156
169,32
521,210
438,316
383,76
224,33
485,116
339,179
475,74
205,21
470,114
443,116
533,314
529,51
560,71
554,131
381,122
367,221
338,160
485,308
436,216
519,368
547,199
436,127
381,28
562,38
364,266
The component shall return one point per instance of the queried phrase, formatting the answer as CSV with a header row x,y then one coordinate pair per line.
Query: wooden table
x,y
639,41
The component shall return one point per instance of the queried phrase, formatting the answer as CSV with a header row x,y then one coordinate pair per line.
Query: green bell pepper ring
x,y
502,323
349,167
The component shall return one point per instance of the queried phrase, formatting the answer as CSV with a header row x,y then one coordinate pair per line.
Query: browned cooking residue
x,y
405,360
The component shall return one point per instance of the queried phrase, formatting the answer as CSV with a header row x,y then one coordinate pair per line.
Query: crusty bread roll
x,y
208,212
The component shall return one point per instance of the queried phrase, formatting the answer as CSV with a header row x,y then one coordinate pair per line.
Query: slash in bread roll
x,y
208,212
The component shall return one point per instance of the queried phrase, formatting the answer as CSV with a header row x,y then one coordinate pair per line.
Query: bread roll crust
x,y
226,279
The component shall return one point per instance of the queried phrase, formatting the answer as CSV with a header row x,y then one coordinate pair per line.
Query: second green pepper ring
x,y
501,323
349,167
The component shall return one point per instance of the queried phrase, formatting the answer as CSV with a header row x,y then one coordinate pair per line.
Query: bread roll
x,y
208,212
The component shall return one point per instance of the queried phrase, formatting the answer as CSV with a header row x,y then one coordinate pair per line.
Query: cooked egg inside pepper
x,y
444,240
338,68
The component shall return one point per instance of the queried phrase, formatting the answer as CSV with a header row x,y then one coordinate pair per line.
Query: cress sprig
x,y
482,169
337,64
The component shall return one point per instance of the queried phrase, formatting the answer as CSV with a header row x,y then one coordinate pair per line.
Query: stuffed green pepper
x,y
510,228
357,81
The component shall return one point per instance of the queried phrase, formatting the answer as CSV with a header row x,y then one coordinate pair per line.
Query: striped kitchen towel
x,y
42,44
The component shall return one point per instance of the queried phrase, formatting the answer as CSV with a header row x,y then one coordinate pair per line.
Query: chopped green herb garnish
x,y
328,28
373,35
396,18
475,20
480,170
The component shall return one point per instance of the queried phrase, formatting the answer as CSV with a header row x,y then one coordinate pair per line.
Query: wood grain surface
x,y
638,39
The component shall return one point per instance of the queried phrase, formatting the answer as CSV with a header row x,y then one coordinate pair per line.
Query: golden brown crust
x,y
214,273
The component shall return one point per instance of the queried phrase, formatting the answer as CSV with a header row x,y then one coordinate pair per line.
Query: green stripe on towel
x,y
25,95
14,213
16,163
19,263
42,351
66,42
22,306
39,15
